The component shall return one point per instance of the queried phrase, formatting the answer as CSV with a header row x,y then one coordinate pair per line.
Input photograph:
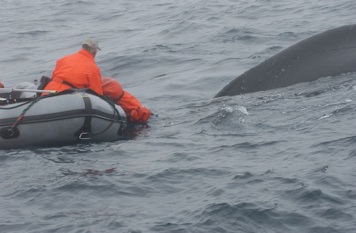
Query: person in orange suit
x,y
134,109
1,85
78,70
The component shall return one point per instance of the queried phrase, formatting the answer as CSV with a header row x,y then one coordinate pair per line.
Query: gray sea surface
x,y
274,161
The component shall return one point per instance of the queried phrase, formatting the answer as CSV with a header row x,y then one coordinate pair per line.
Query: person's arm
x,y
131,105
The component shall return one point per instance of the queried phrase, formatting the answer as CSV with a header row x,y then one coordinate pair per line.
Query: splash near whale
x,y
329,53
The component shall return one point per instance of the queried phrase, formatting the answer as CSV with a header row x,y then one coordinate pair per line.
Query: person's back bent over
x,y
78,70
133,108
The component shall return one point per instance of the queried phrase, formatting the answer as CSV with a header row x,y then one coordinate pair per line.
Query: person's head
x,y
91,45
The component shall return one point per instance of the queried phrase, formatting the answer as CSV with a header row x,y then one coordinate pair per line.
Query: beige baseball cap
x,y
91,42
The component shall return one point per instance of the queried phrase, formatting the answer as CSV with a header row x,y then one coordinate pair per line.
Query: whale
x,y
327,54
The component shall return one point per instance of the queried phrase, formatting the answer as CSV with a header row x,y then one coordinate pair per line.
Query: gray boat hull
x,y
61,120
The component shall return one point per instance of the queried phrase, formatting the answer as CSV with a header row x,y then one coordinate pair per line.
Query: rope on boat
x,y
19,119
122,129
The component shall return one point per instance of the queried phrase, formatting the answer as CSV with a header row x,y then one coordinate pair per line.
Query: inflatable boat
x,y
68,117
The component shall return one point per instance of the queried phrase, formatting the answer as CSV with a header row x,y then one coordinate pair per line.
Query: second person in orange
x,y
135,111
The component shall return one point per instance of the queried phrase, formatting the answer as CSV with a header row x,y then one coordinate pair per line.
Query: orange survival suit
x,y
1,85
77,70
136,111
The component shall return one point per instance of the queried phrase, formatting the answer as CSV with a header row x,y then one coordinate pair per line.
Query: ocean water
x,y
275,161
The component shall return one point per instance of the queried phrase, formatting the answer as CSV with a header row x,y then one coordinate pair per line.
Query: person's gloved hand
x,y
141,115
